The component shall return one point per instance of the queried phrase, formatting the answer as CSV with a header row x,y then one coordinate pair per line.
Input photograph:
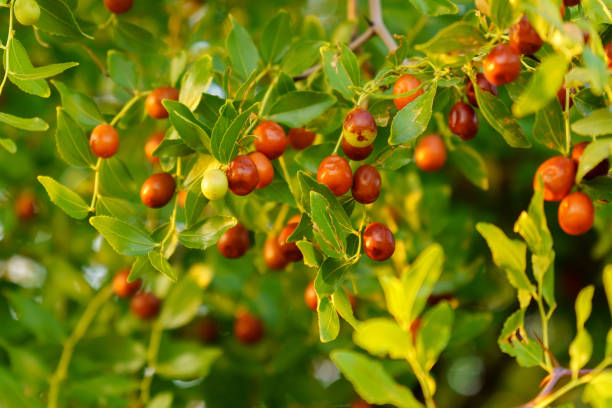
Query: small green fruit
x,y
27,12
214,184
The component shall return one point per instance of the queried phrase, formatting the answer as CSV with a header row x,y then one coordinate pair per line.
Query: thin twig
x,y
379,25
95,59
551,381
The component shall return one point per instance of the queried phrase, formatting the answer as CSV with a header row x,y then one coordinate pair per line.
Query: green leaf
x,y
455,44
242,50
396,299
471,164
69,201
36,318
543,85
328,236
187,361
181,305
228,131
47,71
122,71
507,254
412,120
339,66
383,337
502,13
584,306
434,334
194,203
187,126
8,145
20,61
162,265
56,18
311,157
593,154
12,393
116,180
71,142
513,341
302,55
206,233
276,37
133,38
139,268
580,350
532,226
498,115
607,282
371,381
125,238
195,82
29,124
329,323
312,256
598,123
298,108
343,306
549,127
161,400
598,391
80,106
331,275
435,7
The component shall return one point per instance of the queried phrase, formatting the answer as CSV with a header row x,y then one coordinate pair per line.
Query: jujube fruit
x,y
118,6
405,84
483,84
270,139
462,121
27,12
561,95
502,65
336,174
181,198
430,153
157,190
360,404
248,328
104,141
366,184
25,206
273,256
378,242
576,214
602,167
608,51
295,219
153,103
122,287
265,171
524,38
310,296
571,3
557,177
242,175
151,145
290,250
359,128
234,242
214,184
145,305
356,153
207,330
300,138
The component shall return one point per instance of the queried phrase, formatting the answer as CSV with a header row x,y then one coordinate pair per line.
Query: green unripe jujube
x,y
27,12
214,184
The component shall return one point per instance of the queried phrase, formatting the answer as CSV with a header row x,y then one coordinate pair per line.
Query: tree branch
x,y
379,25
551,381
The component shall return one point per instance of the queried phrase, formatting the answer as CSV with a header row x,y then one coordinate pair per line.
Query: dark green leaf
x,y
181,305
56,18
80,106
226,135
132,38
549,127
161,264
69,201
71,142
276,37
125,238
298,108
122,70
187,126
206,233
302,55
471,164
36,318
242,50
412,120
454,44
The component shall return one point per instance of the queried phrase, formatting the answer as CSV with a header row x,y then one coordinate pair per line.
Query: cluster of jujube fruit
x,y
143,304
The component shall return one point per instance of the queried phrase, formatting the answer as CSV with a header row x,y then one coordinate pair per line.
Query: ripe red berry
x,y
336,174
366,184
378,242
571,3
462,121
295,219
608,51
561,94
502,65
145,305
404,84
360,404
576,214
242,175
25,206
104,141
356,153
273,256
359,128
122,287
153,103
483,84
248,328
290,250
602,167
557,177
310,296
265,171
430,153
157,190
270,139
207,330
524,38
118,6
234,242
151,144
300,138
